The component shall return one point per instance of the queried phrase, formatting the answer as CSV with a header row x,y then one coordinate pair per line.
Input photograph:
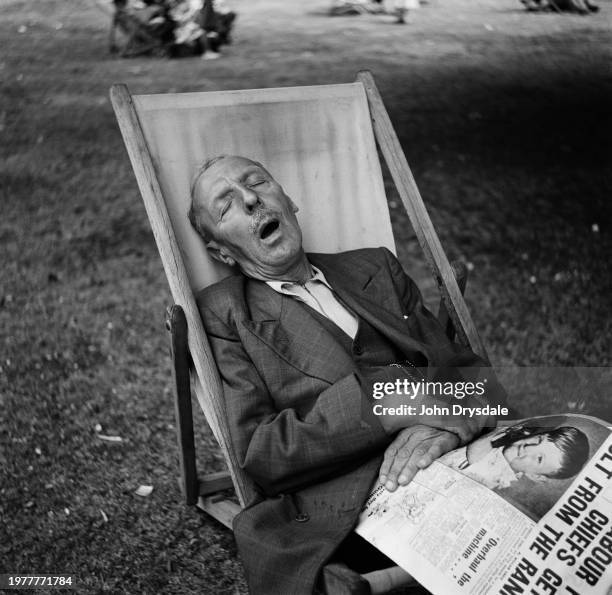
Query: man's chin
x,y
272,263
277,250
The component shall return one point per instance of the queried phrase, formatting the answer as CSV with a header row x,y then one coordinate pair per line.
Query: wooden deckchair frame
x,y
190,347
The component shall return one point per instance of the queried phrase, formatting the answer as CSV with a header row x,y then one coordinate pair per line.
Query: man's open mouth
x,y
268,229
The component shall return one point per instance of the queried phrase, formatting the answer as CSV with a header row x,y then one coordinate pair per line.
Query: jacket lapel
x,y
285,326
370,292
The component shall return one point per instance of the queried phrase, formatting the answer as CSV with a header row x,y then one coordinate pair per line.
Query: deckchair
x,y
320,143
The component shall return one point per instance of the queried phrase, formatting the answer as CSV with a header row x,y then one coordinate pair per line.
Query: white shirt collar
x,y
317,275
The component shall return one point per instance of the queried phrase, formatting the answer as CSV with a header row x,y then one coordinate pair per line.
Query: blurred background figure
x,y
145,27
353,7
187,33
577,6
400,8
216,21
174,28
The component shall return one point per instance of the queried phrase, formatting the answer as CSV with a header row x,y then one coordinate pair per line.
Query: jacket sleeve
x,y
451,361
281,450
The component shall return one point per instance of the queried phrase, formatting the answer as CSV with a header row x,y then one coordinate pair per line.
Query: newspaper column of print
x,y
570,550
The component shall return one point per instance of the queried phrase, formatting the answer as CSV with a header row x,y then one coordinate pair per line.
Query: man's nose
x,y
249,198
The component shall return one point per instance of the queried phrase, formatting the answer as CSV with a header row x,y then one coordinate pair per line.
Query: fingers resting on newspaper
x,y
414,448
433,412
466,429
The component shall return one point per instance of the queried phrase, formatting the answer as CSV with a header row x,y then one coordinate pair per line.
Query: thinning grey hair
x,y
194,219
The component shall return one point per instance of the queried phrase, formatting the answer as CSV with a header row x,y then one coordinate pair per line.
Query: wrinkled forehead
x,y
226,170
232,165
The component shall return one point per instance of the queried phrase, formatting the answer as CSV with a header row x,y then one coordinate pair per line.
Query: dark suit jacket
x,y
301,424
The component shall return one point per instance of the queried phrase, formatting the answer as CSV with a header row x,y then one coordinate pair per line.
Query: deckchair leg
x,y
177,325
461,275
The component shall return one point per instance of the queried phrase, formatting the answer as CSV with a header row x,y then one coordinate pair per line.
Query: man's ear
x,y
218,253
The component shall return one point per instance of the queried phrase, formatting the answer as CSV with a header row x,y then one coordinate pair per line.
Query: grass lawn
x,y
505,118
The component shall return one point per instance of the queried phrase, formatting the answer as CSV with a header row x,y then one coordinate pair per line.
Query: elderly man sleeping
x,y
299,340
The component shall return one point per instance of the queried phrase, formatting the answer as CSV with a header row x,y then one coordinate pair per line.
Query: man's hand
x,y
413,448
464,427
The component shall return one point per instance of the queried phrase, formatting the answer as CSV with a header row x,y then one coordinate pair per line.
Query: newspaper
x,y
471,524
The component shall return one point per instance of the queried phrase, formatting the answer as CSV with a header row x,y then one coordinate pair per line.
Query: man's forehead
x,y
234,168
215,179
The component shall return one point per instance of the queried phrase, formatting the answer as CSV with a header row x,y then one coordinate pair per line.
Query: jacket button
x,y
357,349
302,517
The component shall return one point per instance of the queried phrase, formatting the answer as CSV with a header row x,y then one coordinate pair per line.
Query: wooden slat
x,y
177,279
344,92
461,275
423,227
214,482
222,510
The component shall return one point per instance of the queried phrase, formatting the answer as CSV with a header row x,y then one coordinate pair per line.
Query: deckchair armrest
x,y
460,271
193,488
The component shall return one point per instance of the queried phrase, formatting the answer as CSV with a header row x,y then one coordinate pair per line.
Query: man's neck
x,y
300,271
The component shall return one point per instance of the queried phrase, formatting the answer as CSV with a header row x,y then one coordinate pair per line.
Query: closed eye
x,y
225,208
256,183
